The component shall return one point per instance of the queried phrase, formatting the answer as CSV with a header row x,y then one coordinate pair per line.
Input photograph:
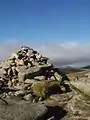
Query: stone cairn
x,y
29,75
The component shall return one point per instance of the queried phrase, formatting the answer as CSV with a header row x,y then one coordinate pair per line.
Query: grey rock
x,y
14,55
6,65
3,71
21,68
21,77
38,56
10,72
43,59
31,59
9,84
28,97
14,81
58,76
19,93
82,88
15,73
4,77
30,81
19,62
11,94
29,73
21,86
26,48
29,53
52,78
45,66
21,110
51,118
61,97
39,78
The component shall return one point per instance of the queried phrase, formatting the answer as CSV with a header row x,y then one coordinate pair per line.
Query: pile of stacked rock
x,y
27,71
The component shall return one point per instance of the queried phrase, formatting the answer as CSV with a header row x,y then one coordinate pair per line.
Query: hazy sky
x,y
46,24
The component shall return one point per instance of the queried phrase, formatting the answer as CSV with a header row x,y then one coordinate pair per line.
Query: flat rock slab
x,y
21,110
83,85
58,99
77,109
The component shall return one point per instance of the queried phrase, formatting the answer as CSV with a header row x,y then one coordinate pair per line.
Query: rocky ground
x,y
32,89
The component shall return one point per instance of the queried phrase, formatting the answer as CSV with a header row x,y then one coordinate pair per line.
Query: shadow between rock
x,y
57,112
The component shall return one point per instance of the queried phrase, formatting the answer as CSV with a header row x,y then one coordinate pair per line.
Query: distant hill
x,y
86,67
68,70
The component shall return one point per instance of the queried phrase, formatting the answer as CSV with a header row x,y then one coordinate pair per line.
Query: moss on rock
x,y
42,90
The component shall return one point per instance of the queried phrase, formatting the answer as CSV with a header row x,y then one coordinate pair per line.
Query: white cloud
x,y
62,53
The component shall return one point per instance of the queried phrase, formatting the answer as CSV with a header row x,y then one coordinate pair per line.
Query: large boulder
x,y
82,87
21,110
28,73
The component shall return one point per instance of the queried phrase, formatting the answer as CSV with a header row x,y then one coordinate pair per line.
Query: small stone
x,y
15,73
3,71
5,65
51,118
26,48
14,55
29,53
39,78
52,78
29,81
34,52
12,62
19,62
9,84
1,82
28,97
19,86
63,88
57,76
4,95
14,82
29,64
38,56
21,77
31,59
11,94
21,68
10,72
20,93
